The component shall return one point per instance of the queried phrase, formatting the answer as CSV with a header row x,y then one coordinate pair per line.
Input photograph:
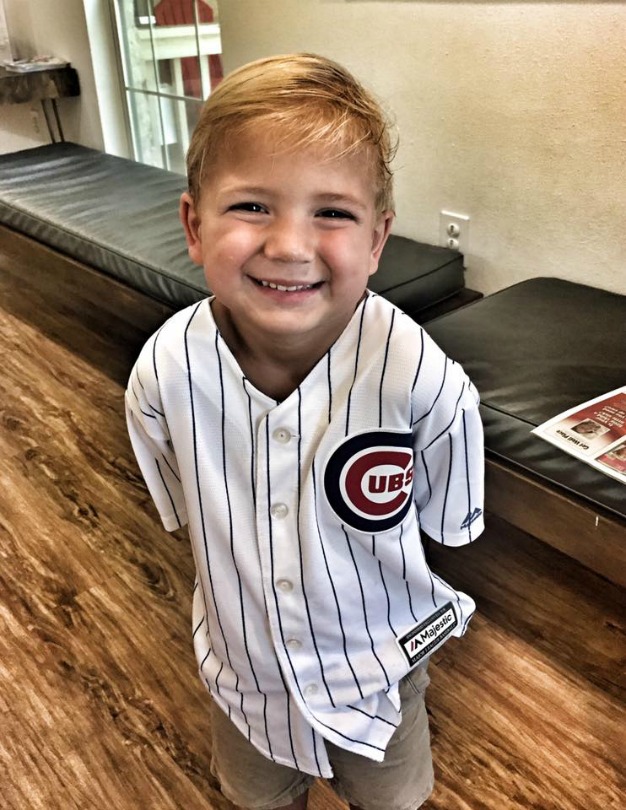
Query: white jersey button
x,y
279,511
294,643
311,689
281,435
285,585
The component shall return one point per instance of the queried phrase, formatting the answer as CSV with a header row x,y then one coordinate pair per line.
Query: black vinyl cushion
x,y
121,217
534,350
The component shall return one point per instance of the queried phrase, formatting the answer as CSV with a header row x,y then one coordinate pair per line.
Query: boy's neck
x,y
275,366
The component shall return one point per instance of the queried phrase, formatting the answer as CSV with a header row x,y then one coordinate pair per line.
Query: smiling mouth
x,y
291,288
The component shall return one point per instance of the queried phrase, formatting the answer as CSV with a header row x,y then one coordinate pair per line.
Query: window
x,y
171,61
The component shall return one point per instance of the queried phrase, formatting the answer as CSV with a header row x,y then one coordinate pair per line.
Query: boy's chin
x,y
299,325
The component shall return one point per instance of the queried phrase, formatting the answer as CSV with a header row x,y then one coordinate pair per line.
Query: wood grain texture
x,y
594,537
100,703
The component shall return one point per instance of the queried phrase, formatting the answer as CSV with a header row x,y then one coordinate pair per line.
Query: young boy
x,y
305,429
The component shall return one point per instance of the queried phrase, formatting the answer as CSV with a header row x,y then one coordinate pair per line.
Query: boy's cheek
x,y
201,244
236,246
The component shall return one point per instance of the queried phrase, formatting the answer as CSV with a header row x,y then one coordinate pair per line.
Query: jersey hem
x,y
174,521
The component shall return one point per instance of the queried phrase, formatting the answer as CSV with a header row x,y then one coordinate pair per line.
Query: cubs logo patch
x,y
368,480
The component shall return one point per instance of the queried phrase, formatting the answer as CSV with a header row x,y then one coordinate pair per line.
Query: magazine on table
x,y
594,432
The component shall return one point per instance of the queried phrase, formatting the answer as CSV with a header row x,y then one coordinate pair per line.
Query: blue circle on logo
x,y
368,480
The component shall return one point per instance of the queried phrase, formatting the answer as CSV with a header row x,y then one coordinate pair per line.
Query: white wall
x,y
59,28
514,113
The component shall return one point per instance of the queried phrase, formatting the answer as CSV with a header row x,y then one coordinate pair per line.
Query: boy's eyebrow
x,y
324,197
243,189
332,197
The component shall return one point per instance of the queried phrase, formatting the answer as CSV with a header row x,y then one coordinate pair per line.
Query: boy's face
x,y
287,241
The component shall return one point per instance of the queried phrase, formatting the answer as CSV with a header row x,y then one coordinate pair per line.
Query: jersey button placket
x,y
284,585
294,644
279,511
283,450
311,690
282,435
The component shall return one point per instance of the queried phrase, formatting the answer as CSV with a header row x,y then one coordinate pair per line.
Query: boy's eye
x,y
250,207
335,213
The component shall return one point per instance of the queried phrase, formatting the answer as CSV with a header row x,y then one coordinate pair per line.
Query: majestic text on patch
x,y
423,638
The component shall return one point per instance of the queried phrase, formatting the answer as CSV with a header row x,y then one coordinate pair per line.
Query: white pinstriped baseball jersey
x,y
313,597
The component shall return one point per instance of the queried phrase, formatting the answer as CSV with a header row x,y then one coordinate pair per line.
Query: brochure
x,y
594,432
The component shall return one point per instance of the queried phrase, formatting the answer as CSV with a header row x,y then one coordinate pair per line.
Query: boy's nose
x,y
289,240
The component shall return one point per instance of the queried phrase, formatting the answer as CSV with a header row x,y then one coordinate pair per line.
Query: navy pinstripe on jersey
x,y
305,617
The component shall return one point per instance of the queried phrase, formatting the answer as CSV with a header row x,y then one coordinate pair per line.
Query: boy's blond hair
x,y
306,100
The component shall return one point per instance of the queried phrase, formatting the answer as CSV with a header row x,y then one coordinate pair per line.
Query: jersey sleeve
x,y
150,439
449,452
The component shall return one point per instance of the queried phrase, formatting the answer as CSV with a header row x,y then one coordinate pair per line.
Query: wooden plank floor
x,y
100,705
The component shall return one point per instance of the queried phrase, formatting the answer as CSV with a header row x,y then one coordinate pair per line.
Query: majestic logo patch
x,y
369,480
422,639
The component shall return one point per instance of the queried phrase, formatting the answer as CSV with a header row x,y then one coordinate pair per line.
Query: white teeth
x,y
282,288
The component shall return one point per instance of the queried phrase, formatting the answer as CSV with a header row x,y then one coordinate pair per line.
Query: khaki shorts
x,y
403,781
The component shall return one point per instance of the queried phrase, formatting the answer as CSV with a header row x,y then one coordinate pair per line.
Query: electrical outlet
x,y
454,231
36,120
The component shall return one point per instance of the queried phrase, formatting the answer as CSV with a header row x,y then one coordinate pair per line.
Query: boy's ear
x,y
191,226
381,234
